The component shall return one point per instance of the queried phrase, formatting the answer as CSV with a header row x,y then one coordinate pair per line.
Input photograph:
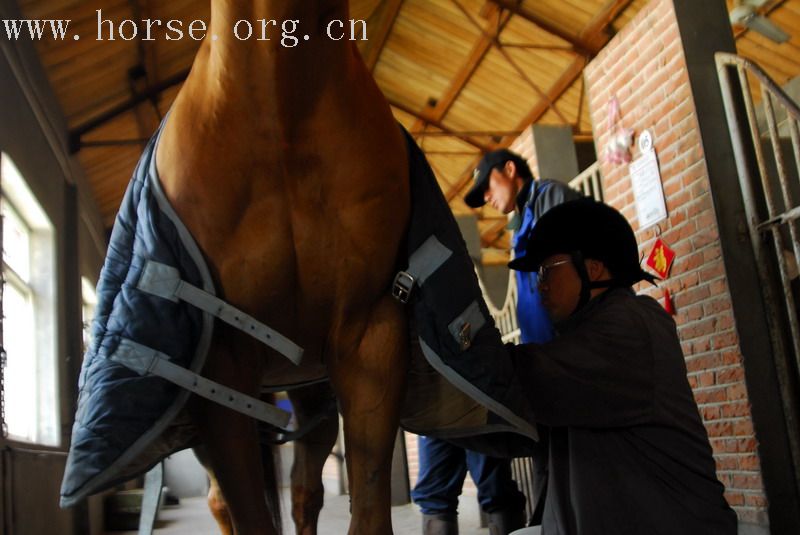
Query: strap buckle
x,y
402,286
465,336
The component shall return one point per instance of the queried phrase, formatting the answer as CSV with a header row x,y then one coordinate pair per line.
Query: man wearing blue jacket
x,y
504,180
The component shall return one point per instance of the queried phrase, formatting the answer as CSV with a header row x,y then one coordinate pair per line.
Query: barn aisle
x,y
191,517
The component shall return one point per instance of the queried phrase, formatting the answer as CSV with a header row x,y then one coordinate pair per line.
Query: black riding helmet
x,y
585,229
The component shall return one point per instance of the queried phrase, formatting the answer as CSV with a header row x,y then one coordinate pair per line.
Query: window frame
x,y
42,405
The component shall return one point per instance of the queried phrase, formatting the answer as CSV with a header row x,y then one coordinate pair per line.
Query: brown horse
x,y
288,168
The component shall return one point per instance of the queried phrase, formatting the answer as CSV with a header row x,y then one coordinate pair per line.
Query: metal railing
x,y
589,182
505,317
768,178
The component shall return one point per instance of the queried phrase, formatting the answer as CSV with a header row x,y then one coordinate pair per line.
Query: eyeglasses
x,y
544,270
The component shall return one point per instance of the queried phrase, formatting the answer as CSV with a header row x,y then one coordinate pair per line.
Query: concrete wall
x,y
557,158
32,134
551,152
184,475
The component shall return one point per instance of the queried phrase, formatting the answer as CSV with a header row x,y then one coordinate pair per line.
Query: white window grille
x,y
29,334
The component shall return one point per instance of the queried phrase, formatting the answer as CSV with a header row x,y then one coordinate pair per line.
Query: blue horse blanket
x,y
128,418
121,412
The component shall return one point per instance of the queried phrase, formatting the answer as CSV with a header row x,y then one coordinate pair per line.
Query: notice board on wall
x,y
647,191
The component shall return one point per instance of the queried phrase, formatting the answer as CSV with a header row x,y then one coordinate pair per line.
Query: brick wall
x,y
644,67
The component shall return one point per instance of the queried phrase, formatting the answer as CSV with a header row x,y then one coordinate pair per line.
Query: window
x,y
31,408
89,298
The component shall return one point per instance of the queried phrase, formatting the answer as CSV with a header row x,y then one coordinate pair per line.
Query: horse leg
x,y
216,502
232,442
310,453
219,507
370,383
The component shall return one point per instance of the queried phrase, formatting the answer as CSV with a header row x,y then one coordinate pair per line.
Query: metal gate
x,y
766,147
589,182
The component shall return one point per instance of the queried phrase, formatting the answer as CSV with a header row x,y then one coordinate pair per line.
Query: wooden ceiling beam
x,y
437,172
468,133
373,53
141,9
75,134
764,11
433,114
595,32
142,76
465,138
579,45
458,82
560,87
521,72
553,94
493,243
464,179
493,233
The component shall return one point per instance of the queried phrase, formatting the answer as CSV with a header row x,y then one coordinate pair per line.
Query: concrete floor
x,y
192,517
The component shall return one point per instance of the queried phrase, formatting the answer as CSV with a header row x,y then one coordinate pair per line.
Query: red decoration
x,y
661,258
668,306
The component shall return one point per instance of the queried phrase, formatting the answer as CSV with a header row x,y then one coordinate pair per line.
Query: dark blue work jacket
x,y
535,198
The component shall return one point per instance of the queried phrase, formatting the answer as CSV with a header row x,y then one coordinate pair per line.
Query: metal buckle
x,y
464,338
402,286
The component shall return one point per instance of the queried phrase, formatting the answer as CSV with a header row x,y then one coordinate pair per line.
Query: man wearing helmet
x,y
629,454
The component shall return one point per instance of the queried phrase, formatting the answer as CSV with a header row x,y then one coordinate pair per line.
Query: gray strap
x,y
423,262
144,360
427,259
466,325
165,281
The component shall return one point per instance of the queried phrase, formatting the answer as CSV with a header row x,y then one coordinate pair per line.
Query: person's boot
x,y
504,522
439,524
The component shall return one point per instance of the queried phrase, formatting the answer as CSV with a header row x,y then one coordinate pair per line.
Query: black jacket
x,y
629,454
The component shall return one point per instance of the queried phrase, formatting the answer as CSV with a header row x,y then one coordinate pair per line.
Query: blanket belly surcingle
x,y
462,383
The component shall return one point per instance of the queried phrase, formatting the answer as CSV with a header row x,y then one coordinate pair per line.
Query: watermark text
x,y
287,32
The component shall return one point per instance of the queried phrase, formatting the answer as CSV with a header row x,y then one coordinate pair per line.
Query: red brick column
x,y
644,68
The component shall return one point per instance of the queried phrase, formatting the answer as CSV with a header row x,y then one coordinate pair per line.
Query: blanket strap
x,y
145,360
165,281
422,264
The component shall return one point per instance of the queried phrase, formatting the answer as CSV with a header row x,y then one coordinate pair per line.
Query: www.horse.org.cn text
x,y
286,32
